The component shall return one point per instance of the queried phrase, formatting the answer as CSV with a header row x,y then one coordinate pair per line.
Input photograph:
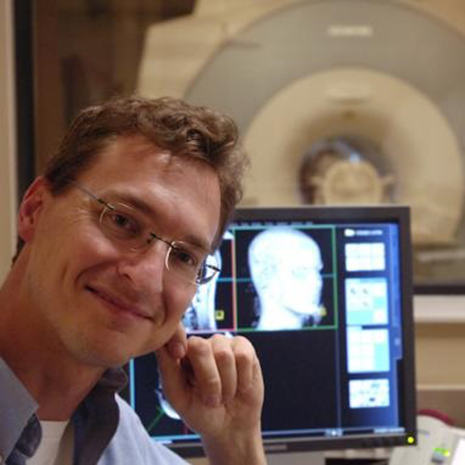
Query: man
x,y
285,266
114,239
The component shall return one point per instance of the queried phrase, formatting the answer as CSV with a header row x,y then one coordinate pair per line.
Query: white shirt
x,y
56,446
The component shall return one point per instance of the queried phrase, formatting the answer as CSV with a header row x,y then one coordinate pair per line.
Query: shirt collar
x,y
17,407
114,379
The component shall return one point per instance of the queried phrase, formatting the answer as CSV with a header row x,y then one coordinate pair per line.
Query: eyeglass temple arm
x,y
212,267
91,194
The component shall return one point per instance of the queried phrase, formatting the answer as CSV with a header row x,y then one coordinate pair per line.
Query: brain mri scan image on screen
x,y
285,267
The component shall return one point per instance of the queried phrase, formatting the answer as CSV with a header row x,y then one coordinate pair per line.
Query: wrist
x,y
237,448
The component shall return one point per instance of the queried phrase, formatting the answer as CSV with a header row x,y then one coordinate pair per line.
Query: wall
x,y
7,139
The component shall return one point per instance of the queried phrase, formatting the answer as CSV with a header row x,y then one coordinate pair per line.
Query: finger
x,y
246,361
177,345
207,378
226,365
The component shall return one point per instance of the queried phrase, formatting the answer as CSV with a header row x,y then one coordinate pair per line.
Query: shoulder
x,y
132,444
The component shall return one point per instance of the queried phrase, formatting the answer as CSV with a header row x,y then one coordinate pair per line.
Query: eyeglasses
x,y
126,226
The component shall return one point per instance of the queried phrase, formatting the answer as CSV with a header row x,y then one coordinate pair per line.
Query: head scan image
x,y
285,266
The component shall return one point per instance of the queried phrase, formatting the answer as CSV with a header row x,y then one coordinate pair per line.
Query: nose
x,y
146,268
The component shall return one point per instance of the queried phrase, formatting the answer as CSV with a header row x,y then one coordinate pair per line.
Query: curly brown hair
x,y
185,130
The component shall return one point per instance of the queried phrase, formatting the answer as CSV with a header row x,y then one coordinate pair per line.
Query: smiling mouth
x,y
117,305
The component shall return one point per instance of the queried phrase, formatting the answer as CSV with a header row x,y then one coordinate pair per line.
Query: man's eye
x,y
121,223
183,258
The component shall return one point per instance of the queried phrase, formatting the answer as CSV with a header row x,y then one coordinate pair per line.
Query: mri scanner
x,y
338,101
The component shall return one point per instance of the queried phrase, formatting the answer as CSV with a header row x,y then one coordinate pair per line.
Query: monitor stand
x,y
296,458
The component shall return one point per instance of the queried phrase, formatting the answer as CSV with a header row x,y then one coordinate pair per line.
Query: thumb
x,y
177,344
174,383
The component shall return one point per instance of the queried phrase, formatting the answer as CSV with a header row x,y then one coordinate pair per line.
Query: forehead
x,y
138,155
179,192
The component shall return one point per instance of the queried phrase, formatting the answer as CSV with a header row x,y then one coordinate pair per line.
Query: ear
x,y
31,207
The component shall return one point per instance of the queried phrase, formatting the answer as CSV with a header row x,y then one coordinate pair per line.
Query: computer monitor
x,y
325,296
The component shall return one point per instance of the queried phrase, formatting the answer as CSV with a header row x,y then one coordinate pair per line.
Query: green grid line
x,y
155,421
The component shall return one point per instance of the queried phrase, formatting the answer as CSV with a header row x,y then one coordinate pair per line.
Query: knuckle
x,y
218,338
244,357
241,341
211,384
244,350
198,345
224,356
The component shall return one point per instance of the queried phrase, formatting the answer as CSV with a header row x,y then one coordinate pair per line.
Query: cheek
x,y
89,249
178,299
75,260
64,240
85,252
175,303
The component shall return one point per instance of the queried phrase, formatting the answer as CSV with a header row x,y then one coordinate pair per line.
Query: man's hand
x,y
216,386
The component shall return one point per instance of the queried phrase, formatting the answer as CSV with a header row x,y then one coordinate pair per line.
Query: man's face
x,y
92,298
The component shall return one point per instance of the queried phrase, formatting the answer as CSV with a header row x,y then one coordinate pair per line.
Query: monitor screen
x,y
325,296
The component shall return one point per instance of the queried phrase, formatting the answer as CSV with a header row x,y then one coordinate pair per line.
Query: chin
x,y
108,356
105,360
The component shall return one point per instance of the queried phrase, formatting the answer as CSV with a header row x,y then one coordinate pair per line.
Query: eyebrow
x,y
141,205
